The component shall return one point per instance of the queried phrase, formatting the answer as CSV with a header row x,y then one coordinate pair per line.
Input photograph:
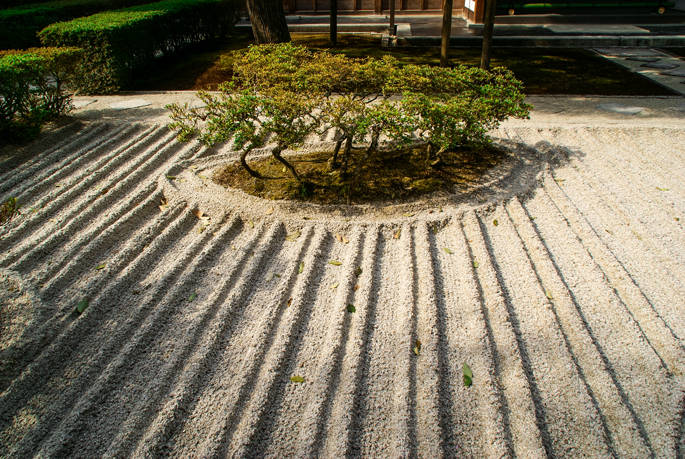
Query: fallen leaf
x,y
351,308
55,221
200,229
409,214
338,237
192,168
250,224
192,297
334,286
397,234
334,263
270,211
358,272
292,236
356,287
662,189
163,207
33,210
548,294
448,250
171,177
101,266
284,169
297,379
440,208
608,231
533,218
468,375
82,305
417,348
559,179
163,202
202,177
301,267
277,275
345,240
269,276
435,229
198,213
677,219
495,222
290,301
475,263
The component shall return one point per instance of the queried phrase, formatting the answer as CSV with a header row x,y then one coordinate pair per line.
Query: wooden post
x,y
446,31
488,29
392,30
334,22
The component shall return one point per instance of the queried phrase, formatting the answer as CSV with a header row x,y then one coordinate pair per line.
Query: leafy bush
x,y
282,93
32,88
19,26
116,43
8,210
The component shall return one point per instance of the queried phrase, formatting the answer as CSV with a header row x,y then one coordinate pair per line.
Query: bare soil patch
x,y
398,176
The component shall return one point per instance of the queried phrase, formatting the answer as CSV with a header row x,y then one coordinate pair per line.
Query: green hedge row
x,y
19,26
32,89
118,42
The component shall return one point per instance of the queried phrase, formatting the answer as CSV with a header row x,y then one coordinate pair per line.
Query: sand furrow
x,y
529,435
622,428
554,378
628,357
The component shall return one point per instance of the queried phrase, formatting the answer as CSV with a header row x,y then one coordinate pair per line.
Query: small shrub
x,y
284,93
33,89
116,43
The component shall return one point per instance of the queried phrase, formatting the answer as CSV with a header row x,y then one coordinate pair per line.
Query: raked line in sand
x,y
570,311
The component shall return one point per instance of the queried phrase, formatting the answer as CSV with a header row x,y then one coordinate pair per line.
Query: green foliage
x,y
283,93
116,43
32,89
19,26
8,210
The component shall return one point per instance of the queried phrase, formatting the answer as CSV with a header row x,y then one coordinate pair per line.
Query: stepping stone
x,y
625,52
82,103
659,65
678,72
130,103
618,108
642,59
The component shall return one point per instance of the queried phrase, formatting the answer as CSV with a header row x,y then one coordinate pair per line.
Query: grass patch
x,y
396,176
542,70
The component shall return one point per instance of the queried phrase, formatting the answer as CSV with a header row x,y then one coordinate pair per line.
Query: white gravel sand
x,y
563,290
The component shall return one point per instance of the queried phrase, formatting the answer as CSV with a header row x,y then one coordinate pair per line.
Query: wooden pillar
x,y
377,7
446,32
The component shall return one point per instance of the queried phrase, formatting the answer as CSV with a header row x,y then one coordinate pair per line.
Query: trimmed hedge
x,y
118,42
32,89
19,26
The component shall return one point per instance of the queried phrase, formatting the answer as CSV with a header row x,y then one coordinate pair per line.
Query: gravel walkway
x,y
563,289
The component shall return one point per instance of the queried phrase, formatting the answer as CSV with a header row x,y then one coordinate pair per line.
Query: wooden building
x,y
467,8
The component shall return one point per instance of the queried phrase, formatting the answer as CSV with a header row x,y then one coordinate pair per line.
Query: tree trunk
x,y
488,28
358,170
250,171
346,155
338,144
276,152
446,32
268,21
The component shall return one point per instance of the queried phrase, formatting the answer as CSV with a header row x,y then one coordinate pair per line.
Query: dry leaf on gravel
x,y
270,211
338,237
448,250
269,276
171,177
192,297
301,267
296,379
495,222
548,294
475,263
351,308
82,305
334,286
290,301
292,236
334,263
98,267
250,224
662,189
417,348
468,375
198,213
202,177
358,272
397,234
411,214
